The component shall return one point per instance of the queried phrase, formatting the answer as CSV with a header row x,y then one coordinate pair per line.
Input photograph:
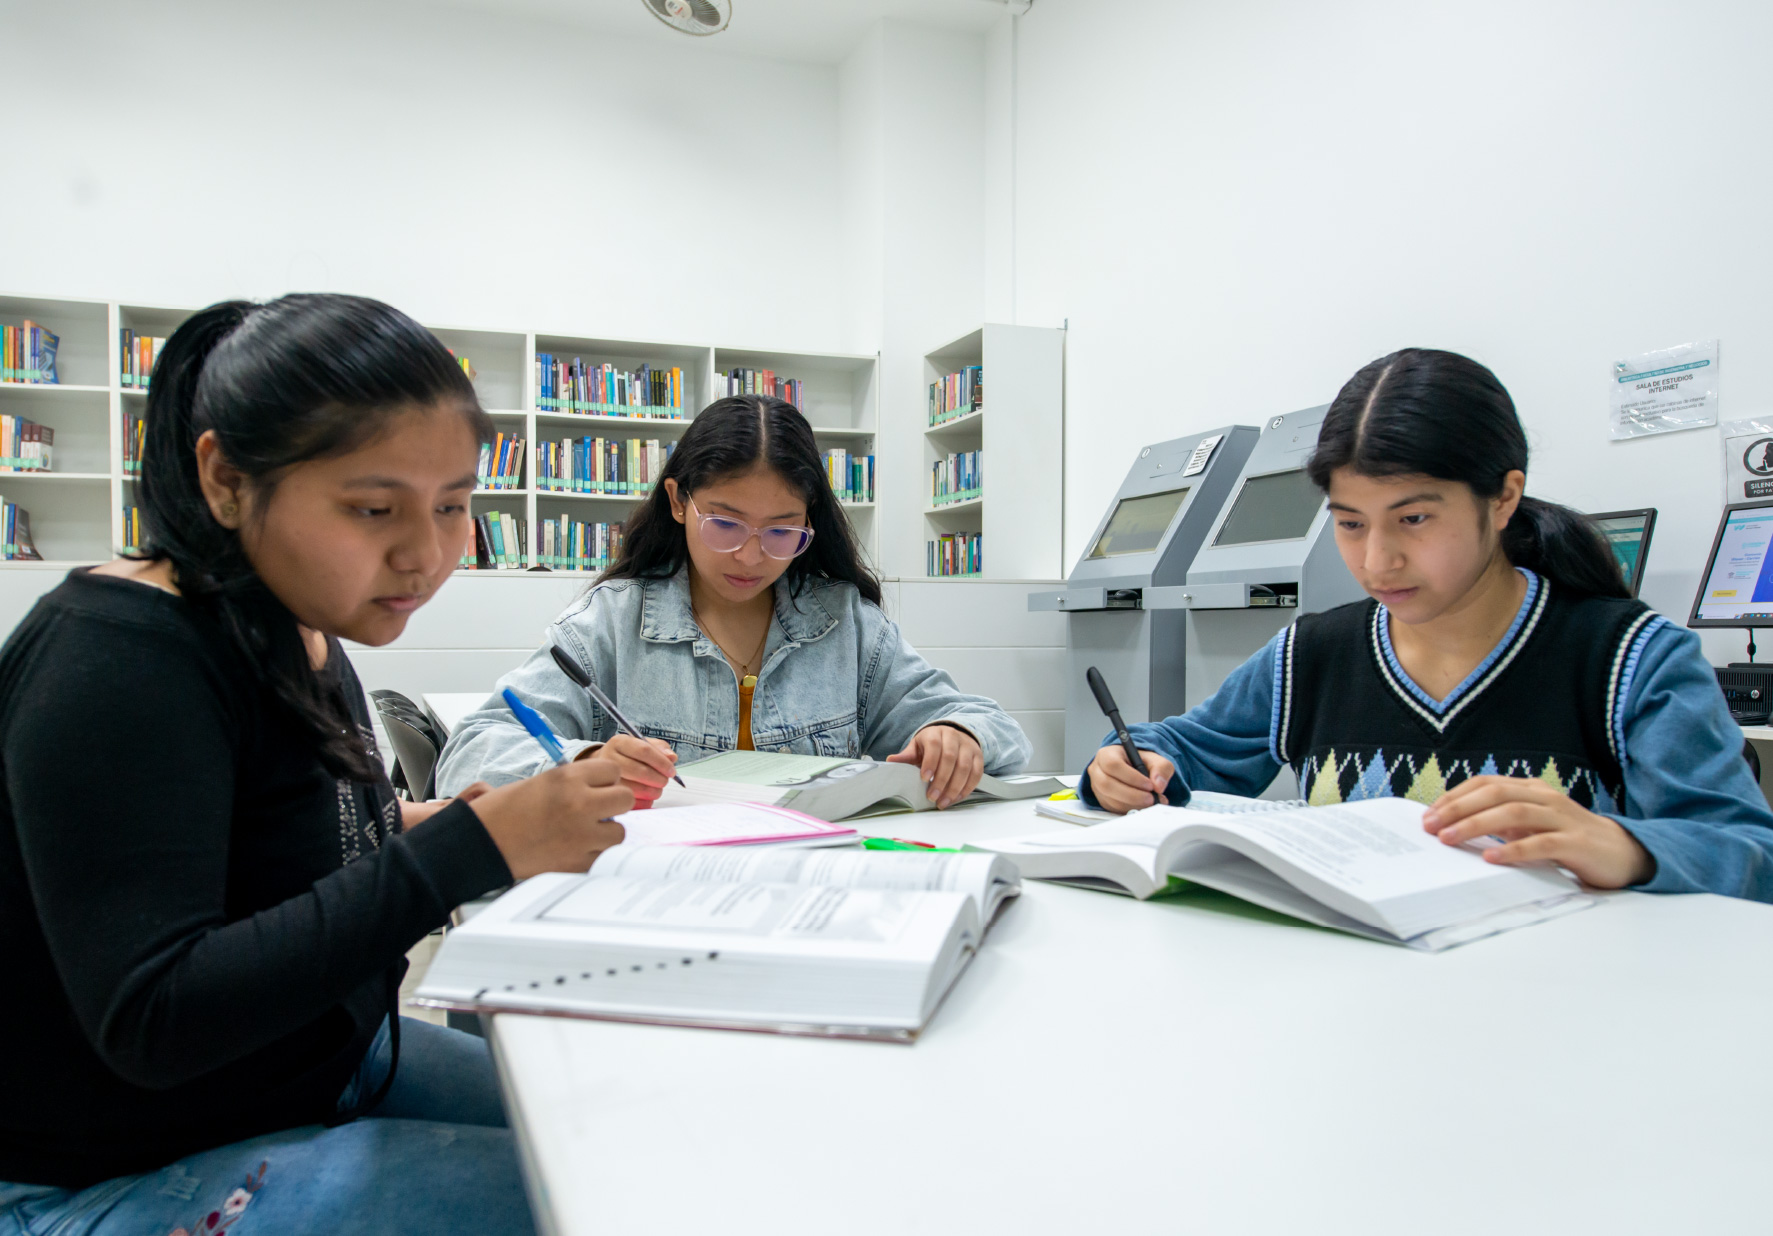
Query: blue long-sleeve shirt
x,y
1689,796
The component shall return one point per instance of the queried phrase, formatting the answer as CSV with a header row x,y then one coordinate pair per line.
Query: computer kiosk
x,y
1270,556
1124,612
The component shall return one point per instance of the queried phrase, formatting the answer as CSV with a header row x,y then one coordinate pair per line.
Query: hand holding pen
x,y
1122,777
643,762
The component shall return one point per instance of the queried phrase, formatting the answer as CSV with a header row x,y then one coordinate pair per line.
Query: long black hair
x,y
730,437
301,378
1423,412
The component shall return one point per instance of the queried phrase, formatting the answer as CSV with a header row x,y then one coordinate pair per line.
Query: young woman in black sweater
x,y
207,887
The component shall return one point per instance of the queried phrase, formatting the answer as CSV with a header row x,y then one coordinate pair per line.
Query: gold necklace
x,y
742,665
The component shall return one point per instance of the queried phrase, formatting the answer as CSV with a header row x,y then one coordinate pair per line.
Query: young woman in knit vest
x,y
1501,673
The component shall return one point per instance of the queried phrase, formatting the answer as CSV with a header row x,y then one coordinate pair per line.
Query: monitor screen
x,y
1276,507
1138,524
1627,533
1738,582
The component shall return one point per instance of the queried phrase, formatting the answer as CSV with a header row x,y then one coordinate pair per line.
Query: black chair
x,y
417,741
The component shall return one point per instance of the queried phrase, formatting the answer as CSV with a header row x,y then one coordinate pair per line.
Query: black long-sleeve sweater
x,y
198,923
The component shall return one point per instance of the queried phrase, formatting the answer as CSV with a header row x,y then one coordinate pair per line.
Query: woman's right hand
x,y
558,820
644,764
1120,787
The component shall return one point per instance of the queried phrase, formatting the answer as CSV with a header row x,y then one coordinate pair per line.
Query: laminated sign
x,y
1666,391
1748,460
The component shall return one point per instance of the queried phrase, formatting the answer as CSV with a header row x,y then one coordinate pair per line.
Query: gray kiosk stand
x,y
1126,613
1271,556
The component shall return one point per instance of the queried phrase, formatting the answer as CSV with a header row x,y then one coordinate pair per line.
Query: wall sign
x,y
1665,391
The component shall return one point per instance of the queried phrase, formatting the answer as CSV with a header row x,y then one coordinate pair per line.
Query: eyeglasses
x,y
725,536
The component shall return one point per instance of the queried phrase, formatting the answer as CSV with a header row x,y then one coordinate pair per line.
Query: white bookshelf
x,y
77,510
1018,430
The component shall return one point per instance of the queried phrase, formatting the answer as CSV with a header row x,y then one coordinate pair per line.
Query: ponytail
x,y
301,378
1423,412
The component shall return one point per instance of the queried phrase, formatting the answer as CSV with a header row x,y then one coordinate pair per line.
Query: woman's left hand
x,y
1540,824
949,759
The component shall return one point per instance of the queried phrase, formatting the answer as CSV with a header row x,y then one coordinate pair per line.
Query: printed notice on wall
x,y
1666,391
1748,459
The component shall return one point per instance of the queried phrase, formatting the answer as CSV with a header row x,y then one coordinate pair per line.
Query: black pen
x,y
573,670
1106,700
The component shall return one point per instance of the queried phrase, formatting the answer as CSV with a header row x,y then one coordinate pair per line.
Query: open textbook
x,y
1365,867
836,942
828,788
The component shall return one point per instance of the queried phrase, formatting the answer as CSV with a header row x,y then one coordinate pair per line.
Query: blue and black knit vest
x,y
1544,703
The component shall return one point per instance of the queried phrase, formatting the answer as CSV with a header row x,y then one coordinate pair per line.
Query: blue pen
x,y
538,728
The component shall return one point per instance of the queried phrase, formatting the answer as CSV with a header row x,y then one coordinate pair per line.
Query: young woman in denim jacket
x,y
739,616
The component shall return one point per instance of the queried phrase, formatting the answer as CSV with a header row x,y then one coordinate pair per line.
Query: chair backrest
x,y
415,741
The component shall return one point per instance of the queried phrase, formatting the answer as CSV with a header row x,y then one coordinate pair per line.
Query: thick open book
x,y
853,943
1365,867
828,788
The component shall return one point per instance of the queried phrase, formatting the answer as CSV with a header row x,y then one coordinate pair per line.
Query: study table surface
x,y
1111,1065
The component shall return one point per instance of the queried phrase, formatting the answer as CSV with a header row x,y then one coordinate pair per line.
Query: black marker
x,y
573,670
1106,700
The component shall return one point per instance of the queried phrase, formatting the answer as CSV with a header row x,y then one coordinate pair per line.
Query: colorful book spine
x,y
957,395
135,437
954,553
27,354
760,382
605,390
25,446
16,544
136,355
956,478
851,476
497,545
501,462
132,528
567,544
620,466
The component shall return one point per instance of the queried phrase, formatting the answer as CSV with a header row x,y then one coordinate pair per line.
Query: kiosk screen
x,y
1738,587
1276,507
1138,524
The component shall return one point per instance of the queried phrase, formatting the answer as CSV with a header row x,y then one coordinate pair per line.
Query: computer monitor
x,y
1736,588
1628,534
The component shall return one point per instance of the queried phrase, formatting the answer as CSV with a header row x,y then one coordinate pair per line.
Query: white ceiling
x,y
806,31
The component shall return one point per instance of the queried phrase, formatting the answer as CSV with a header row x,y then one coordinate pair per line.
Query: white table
x,y
1111,1066
449,707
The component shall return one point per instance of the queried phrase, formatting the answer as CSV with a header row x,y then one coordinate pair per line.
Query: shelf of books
x,y
584,426
973,529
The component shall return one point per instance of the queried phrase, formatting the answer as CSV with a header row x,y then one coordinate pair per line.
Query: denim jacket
x,y
837,679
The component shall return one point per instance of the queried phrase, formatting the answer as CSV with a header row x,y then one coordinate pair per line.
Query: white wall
x,y
1236,206
474,169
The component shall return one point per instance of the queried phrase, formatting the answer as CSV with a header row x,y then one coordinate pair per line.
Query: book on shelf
x,y
828,787
568,544
759,382
132,527
850,943
606,390
135,437
602,465
501,462
497,545
956,478
956,395
16,544
954,553
851,476
1364,867
25,446
27,354
136,357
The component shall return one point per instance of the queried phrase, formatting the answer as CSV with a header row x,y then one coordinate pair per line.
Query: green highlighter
x,y
909,847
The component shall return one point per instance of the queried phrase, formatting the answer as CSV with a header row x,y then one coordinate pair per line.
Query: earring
x,y
229,510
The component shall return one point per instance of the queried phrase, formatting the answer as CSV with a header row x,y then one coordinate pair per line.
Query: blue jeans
x,y
435,1157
